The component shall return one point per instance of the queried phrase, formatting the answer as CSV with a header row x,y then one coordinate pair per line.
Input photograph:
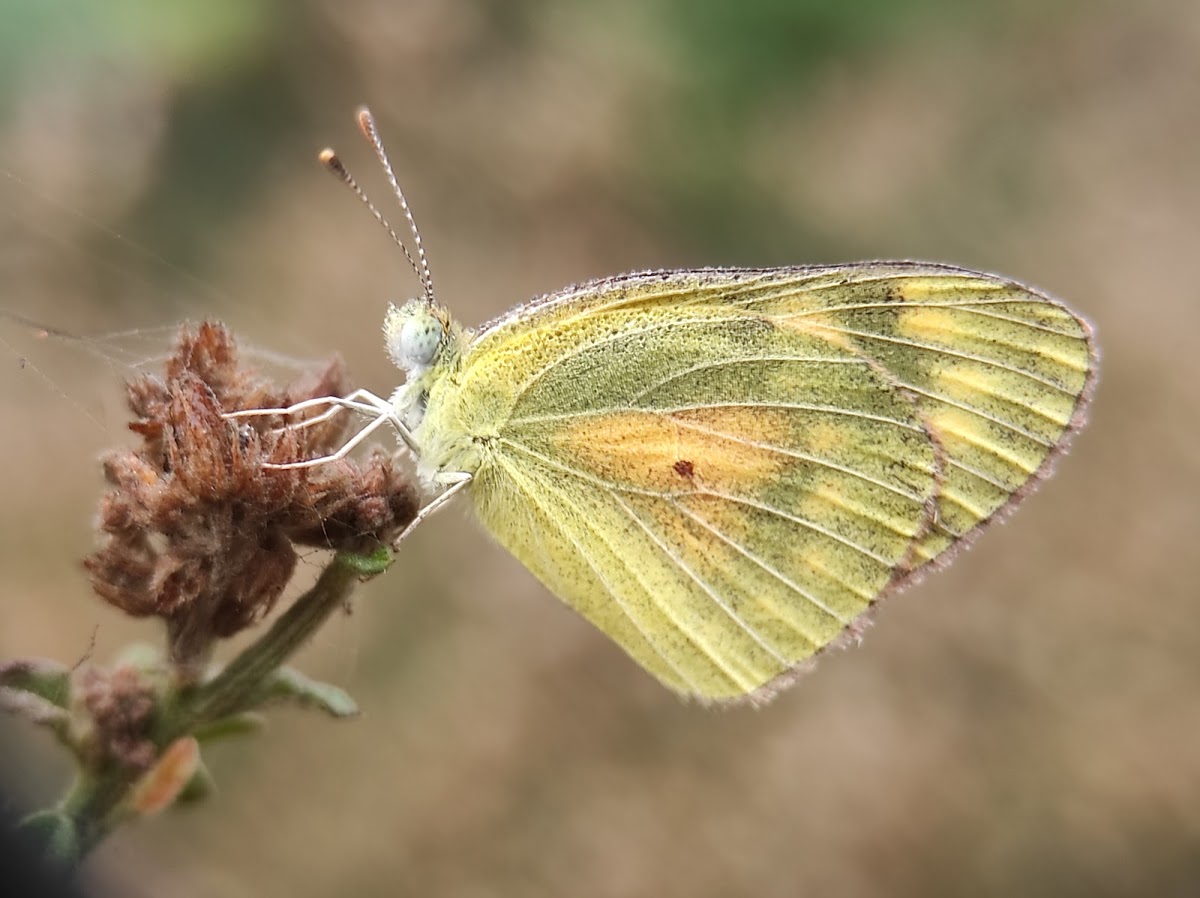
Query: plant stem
x,y
228,692
96,802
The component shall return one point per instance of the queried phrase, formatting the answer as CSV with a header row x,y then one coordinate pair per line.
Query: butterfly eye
x,y
419,341
413,334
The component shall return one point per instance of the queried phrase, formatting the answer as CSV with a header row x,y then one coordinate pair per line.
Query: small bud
x,y
111,716
163,783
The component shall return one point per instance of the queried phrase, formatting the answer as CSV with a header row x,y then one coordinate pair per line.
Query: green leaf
x,y
199,787
289,686
245,724
45,679
55,834
39,691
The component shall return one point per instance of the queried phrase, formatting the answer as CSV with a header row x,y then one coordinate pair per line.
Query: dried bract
x,y
195,530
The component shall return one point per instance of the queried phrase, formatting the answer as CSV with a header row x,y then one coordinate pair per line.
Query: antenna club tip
x,y
331,161
366,123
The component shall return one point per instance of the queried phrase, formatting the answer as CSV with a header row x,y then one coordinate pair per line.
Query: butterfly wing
x,y
724,469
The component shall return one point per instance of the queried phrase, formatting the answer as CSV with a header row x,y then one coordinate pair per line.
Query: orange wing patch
x,y
662,453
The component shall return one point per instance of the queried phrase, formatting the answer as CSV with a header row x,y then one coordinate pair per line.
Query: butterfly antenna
x,y
334,164
366,124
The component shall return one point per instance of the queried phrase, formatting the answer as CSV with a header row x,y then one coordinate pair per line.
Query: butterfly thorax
x,y
424,341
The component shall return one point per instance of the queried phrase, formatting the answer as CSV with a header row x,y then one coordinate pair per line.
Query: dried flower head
x,y
195,530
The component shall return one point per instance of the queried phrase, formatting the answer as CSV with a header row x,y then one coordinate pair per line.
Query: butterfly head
x,y
416,335
423,341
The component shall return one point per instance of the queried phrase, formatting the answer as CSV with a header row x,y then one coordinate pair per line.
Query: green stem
x,y
96,801
230,690
94,804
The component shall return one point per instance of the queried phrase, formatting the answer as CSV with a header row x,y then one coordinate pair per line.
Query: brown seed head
x,y
194,530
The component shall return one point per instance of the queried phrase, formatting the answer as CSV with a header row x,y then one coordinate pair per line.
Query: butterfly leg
x,y
456,481
362,401
371,405
346,448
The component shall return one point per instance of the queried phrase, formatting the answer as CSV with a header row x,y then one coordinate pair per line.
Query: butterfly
x,y
725,470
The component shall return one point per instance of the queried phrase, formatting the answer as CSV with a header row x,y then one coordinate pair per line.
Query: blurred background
x,y
1025,722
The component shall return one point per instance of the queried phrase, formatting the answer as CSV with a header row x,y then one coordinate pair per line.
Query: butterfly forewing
x,y
724,469
1000,372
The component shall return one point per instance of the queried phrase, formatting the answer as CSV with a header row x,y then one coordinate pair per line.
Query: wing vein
x,y
803,522
587,346
802,456
704,406
989,447
966,306
518,478
708,590
770,569
742,360
969,409
576,472
941,350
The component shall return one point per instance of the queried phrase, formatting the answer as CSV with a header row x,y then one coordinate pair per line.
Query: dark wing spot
x,y
684,468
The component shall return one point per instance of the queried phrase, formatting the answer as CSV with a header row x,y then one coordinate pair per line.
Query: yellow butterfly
x,y
725,469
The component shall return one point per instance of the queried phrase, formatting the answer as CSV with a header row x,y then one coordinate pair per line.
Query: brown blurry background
x,y
1023,723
